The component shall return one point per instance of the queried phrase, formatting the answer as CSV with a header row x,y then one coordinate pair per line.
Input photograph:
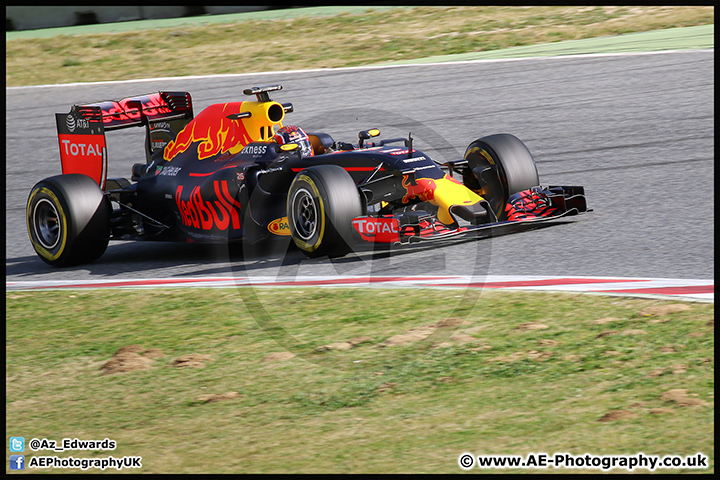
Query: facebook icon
x,y
17,462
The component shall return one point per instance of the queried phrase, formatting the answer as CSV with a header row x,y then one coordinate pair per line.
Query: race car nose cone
x,y
474,213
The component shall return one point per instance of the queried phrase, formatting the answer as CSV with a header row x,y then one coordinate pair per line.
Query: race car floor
x,y
660,288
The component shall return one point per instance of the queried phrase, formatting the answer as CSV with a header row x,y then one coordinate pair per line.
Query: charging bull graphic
x,y
227,127
443,192
213,131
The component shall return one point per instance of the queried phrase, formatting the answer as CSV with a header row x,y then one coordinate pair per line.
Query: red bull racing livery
x,y
236,173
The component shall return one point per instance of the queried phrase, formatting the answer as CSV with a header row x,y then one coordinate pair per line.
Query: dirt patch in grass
x,y
126,362
616,415
681,398
130,358
278,357
343,346
531,326
662,310
192,360
219,397
135,357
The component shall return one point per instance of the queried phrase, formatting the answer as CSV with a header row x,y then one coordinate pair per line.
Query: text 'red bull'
x,y
215,133
115,111
219,213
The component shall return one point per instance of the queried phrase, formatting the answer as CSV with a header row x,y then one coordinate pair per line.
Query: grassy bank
x,y
268,380
323,42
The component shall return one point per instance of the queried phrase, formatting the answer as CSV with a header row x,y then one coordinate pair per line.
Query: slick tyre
x,y
321,203
501,165
68,220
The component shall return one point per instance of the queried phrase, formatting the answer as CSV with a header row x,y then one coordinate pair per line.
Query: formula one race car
x,y
234,173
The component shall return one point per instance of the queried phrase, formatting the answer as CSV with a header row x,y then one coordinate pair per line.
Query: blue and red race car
x,y
235,173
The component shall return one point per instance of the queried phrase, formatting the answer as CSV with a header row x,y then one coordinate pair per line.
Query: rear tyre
x,y
68,220
501,165
321,203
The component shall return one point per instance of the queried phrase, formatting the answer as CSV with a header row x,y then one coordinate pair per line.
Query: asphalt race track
x,y
636,130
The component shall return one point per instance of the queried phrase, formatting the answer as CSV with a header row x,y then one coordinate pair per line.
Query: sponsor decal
x,y
160,127
401,152
212,131
83,154
414,159
77,149
72,122
167,171
221,212
382,230
422,189
254,150
279,226
425,167
115,112
158,145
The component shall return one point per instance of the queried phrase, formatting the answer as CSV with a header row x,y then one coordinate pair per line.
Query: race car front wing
x,y
524,210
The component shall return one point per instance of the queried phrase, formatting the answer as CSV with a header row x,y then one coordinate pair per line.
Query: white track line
x,y
662,288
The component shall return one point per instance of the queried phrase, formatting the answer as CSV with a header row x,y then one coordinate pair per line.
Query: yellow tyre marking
x,y
321,213
63,225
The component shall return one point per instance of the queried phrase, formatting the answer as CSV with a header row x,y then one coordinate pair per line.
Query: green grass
x,y
487,383
324,42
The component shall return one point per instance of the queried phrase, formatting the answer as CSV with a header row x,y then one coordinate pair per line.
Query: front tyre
x,y
68,220
501,165
321,204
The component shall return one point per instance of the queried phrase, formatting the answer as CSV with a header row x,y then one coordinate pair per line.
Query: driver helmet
x,y
293,134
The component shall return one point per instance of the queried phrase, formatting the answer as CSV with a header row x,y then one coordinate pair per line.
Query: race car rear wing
x,y
81,132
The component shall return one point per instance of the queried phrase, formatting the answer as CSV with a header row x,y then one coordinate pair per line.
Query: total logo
x,y
377,229
81,149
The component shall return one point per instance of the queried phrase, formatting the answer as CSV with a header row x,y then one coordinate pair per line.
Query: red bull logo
x,y
423,189
443,192
153,105
221,212
212,131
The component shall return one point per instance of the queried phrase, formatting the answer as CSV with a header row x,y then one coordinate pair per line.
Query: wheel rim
x,y
304,214
46,223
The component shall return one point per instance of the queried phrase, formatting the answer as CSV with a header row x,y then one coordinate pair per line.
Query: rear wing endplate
x,y
81,132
